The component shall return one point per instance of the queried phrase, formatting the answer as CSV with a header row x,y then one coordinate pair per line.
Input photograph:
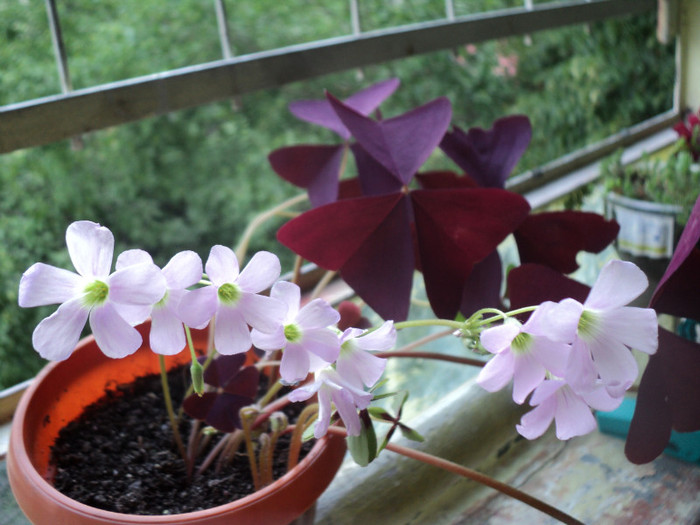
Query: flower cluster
x,y
573,356
231,300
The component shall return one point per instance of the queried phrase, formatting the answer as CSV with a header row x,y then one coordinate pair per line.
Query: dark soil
x,y
120,456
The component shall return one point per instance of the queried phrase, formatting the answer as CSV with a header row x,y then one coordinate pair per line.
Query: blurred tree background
x,y
195,178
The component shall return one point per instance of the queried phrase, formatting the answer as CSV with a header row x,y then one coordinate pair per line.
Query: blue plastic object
x,y
685,445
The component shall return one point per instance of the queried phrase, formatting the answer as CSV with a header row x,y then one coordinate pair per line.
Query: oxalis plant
x,y
564,347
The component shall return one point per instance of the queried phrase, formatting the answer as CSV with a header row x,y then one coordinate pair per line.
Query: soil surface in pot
x,y
120,455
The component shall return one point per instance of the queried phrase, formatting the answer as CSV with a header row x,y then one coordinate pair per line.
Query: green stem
x,y
270,394
429,322
171,412
433,355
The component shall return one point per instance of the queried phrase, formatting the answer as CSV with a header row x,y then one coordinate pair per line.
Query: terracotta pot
x,y
61,391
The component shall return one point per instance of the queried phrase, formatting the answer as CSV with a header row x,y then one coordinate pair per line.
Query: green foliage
x,y
195,178
675,180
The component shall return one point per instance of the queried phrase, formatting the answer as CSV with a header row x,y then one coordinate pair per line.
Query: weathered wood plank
x,y
49,119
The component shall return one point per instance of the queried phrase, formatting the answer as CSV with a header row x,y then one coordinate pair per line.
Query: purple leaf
x,y
222,369
455,229
678,290
314,168
533,284
374,178
483,286
368,239
244,383
320,111
223,414
436,180
489,156
198,407
668,398
401,144
555,238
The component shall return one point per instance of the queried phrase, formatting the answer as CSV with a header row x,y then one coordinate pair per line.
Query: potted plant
x,y
561,345
651,200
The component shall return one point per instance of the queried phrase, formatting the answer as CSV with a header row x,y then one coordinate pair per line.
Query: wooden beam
x,y
49,119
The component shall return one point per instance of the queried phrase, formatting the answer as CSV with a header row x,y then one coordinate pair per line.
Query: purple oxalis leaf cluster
x,y
448,226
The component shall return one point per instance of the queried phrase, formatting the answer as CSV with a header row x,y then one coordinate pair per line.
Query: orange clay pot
x,y
60,393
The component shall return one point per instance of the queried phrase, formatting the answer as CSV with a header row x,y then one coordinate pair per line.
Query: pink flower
x,y
571,412
91,293
167,334
605,330
524,353
306,335
233,299
347,398
355,362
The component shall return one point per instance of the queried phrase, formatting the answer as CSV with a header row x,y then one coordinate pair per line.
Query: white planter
x,y
647,229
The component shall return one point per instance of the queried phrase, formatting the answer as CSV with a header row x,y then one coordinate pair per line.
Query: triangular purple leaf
x,y
374,178
679,289
533,284
668,398
369,240
489,156
223,414
244,383
455,229
555,238
483,286
320,111
222,369
197,407
401,144
315,168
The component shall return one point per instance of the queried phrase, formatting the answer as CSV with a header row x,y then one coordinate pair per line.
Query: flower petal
x,y
222,265
636,328
323,342
359,367
615,364
167,334
572,416
497,372
324,412
618,283
141,284
262,270
183,270
348,411
528,373
269,341
536,421
317,314
91,248
498,338
290,295
132,257
56,336
197,307
43,284
261,312
231,332
115,337
381,339
295,364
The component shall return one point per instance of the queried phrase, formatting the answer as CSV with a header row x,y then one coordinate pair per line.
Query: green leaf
x,y
363,448
411,434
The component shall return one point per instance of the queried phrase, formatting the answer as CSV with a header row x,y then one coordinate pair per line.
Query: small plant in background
x,y
675,180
